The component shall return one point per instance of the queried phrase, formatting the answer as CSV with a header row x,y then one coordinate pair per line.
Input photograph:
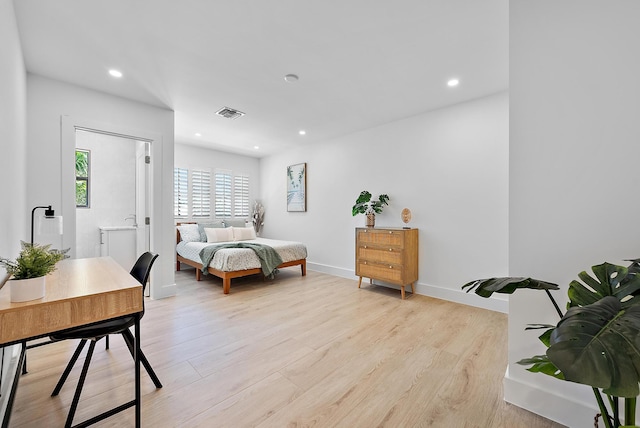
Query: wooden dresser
x,y
387,254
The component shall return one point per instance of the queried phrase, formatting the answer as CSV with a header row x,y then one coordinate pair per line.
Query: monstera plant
x,y
596,342
365,205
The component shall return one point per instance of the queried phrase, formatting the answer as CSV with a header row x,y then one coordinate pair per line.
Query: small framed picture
x,y
297,187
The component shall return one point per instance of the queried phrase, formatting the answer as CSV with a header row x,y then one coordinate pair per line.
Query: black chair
x,y
95,332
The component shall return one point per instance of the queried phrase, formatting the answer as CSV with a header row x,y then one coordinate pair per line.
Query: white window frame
x,y
86,179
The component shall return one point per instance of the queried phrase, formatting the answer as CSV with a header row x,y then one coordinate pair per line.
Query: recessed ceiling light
x,y
291,78
302,132
256,147
453,82
197,134
115,73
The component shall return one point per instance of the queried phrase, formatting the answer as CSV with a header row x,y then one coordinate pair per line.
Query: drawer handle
x,y
365,246
390,233
390,267
365,263
390,249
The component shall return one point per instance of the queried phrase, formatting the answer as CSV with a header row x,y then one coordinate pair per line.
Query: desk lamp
x,y
49,224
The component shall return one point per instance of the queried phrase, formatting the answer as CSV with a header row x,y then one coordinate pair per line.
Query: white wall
x,y
112,188
192,157
53,108
450,167
13,121
574,148
13,118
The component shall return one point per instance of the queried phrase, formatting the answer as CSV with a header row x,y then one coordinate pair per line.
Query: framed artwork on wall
x,y
297,187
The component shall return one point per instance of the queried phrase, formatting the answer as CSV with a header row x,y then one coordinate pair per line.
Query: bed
x,y
229,263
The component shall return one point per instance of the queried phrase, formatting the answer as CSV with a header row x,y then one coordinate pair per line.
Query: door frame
x,y
68,128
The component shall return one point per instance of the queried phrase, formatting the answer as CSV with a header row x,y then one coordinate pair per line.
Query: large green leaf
x,y
544,337
610,280
634,266
507,285
361,204
599,345
542,364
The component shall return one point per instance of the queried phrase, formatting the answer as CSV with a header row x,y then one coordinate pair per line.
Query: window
x,y
241,196
180,192
200,193
223,194
192,192
82,178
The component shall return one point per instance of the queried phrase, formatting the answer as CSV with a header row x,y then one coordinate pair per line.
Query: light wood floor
x,y
294,352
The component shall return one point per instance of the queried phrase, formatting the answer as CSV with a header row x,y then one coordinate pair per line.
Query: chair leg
x,y
106,345
128,339
69,367
83,376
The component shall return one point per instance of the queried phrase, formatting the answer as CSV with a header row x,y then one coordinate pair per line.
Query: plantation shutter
x,y
223,195
200,193
241,196
180,192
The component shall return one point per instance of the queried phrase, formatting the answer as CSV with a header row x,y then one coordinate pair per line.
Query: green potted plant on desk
x,y
364,205
596,342
27,273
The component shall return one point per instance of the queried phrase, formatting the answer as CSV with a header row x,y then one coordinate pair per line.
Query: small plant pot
x,y
23,290
371,219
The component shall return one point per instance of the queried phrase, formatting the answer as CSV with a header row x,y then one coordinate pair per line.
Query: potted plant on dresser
x,y
29,270
364,205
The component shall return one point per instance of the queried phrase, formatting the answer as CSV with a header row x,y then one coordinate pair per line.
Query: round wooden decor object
x,y
406,215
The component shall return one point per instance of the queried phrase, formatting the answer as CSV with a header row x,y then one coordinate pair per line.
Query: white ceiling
x,y
361,63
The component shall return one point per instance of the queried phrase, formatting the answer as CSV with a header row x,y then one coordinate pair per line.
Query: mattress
x,y
236,259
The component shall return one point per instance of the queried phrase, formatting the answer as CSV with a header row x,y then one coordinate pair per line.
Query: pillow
x,y
218,234
235,223
212,224
243,233
189,232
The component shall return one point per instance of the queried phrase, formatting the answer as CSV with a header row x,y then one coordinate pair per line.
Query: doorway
x,y
153,228
112,196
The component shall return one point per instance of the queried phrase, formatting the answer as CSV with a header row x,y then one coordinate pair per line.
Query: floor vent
x,y
229,113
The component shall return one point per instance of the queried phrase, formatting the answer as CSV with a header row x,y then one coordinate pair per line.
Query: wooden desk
x,y
78,292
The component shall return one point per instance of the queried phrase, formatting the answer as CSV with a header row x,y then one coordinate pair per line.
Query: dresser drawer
x,y
381,237
388,255
383,272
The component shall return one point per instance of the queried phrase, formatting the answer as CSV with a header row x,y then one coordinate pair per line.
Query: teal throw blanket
x,y
269,258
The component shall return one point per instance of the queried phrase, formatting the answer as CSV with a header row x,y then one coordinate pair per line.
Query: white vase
x,y
23,290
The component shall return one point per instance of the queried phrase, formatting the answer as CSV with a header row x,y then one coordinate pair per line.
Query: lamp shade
x,y
49,225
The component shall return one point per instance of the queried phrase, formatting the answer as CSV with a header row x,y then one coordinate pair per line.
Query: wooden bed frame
x,y
227,276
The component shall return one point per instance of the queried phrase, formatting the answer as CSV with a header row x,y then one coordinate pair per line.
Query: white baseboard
x,y
548,403
497,303
163,291
332,270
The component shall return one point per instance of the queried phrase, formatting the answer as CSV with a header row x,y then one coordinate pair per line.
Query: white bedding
x,y
235,259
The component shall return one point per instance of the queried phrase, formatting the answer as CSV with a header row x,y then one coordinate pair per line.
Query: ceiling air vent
x,y
229,113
